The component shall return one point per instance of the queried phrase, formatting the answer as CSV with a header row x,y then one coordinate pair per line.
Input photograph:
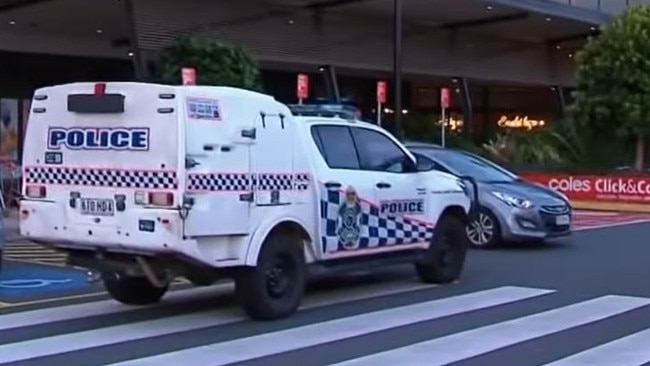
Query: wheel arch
x,y
455,211
285,225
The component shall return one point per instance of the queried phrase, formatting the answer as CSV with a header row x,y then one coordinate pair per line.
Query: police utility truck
x,y
142,183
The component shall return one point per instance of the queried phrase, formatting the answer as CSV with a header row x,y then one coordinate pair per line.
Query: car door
x,y
345,193
400,191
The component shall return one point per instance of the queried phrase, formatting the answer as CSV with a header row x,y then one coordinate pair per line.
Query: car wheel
x,y
132,290
445,258
274,288
484,232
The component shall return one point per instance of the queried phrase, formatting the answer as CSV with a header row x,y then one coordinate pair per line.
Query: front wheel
x,y
444,260
132,290
484,232
274,288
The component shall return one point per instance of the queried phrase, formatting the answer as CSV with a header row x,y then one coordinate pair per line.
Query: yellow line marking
x,y
35,256
14,250
58,265
53,299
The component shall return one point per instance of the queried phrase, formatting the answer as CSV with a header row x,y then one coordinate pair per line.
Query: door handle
x,y
383,185
332,185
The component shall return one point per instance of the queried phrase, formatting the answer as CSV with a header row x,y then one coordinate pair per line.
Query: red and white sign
x,y
188,75
610,188
445,97
381,92
302,89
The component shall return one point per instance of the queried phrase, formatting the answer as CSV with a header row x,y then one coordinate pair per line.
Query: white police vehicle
x,y
142,183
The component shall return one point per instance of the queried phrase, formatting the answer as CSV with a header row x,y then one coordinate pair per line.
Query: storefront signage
x,y
445,98
381,92
302,87
188,74
453,123
628,189
519,122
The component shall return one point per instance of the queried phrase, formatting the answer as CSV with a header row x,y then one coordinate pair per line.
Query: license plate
x,y
562,220
97,207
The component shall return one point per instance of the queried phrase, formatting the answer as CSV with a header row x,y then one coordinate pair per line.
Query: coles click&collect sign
x,y
631,189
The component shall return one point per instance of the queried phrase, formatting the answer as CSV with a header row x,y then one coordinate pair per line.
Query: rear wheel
x,y
484,232
132,290
274,288
445,257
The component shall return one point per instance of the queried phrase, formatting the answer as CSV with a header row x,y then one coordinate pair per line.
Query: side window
x,y
336,145
378,152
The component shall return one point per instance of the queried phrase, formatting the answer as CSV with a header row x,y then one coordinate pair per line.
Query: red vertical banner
x,y
445,98
381,92
188,75
302,87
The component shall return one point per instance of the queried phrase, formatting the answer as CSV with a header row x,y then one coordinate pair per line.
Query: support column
x,y
397,64
139,68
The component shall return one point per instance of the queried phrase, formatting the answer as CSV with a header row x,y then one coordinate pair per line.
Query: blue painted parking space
x,y
21,282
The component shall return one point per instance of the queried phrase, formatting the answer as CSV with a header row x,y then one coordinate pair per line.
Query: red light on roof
x,y
100,89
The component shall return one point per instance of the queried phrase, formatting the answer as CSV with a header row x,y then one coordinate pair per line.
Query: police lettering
x,y
402,207
99,138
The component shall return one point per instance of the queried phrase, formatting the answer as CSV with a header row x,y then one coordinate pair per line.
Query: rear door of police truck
x,y
98,155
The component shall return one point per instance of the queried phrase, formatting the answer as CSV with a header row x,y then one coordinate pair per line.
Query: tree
x,y
216,63
612,97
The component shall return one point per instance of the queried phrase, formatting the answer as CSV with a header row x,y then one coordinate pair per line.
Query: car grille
x,y
555,210
549,213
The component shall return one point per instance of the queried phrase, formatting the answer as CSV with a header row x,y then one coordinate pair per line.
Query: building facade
x,y
505,60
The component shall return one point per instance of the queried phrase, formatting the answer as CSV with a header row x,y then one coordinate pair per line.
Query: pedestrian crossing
x,y
203,326
26,251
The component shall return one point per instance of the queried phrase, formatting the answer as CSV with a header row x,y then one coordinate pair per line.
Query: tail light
x,y
35,191
154,198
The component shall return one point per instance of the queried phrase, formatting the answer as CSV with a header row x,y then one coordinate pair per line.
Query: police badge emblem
x,y
349,220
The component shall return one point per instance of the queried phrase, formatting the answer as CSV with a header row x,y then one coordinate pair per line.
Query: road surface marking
x,y
633,350
476,342
310,335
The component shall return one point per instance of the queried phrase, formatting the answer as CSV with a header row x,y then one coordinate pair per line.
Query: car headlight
x,y
513,201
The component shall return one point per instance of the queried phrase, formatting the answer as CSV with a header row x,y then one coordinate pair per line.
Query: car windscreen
x,y
474,166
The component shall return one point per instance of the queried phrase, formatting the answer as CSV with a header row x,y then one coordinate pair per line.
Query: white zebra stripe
x,y
471,343
633,350
334,330
95,308
54,345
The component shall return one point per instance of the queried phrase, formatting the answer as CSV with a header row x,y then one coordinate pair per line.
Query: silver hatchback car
x,y
511,208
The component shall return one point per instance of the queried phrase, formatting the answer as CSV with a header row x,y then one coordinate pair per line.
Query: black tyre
x,y
274,288
445,257
132,290
485,231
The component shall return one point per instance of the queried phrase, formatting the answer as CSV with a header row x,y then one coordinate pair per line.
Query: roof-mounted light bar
x,y
347,112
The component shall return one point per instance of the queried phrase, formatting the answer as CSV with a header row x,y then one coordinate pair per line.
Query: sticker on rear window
x,y
203,108
53,157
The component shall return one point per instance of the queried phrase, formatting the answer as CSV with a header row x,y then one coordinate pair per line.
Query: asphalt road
x,y
519,306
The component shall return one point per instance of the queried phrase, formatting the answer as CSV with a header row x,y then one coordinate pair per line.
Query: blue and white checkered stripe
x,y
238,182
100,177
376,230
233,182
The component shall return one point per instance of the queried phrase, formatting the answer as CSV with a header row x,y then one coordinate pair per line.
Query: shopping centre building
x,y
505,58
